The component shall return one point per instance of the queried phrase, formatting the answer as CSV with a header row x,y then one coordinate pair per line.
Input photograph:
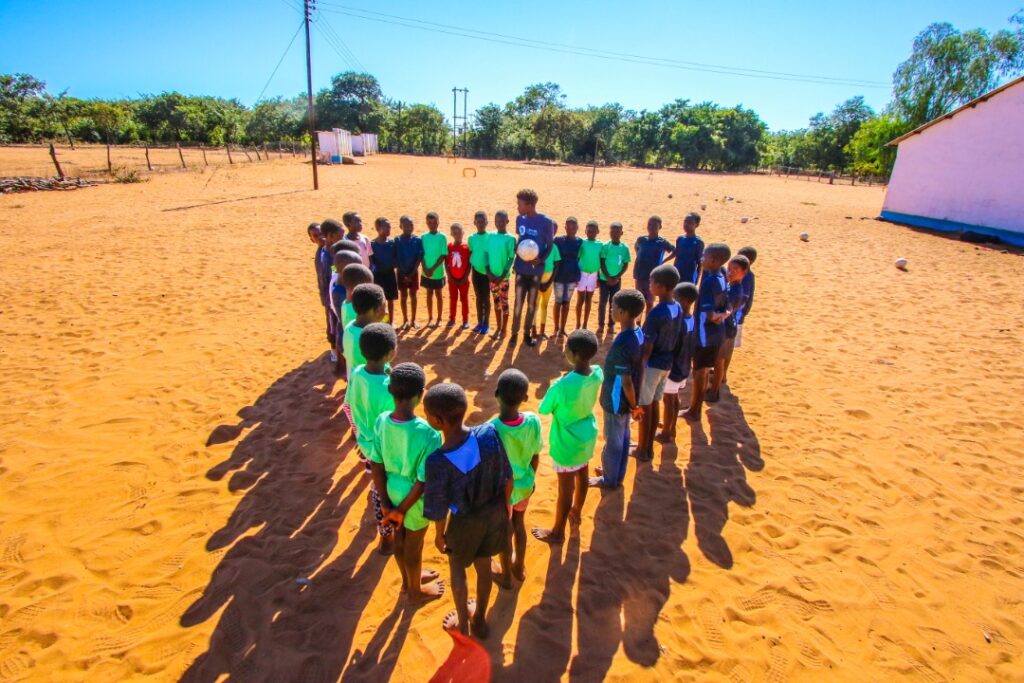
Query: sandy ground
x,y
174,459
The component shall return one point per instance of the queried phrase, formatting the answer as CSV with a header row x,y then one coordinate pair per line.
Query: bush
x,y
123,174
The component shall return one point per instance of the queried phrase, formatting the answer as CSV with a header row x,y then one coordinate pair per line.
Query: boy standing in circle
x,y
530,225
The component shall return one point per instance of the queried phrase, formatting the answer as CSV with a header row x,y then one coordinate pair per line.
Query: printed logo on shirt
x,y
522,230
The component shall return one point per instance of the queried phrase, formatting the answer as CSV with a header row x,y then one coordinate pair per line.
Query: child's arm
x,y
535,461
629,392
670,251
437,264
380,481
407,502
604,270
439,540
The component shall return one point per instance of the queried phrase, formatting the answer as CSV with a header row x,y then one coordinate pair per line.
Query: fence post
x,y
832,178
110,168
280,154
148,164
266,154
181,155
53,155
853,179
203,147
227,148
247,154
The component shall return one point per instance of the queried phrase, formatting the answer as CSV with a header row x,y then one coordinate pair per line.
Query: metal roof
x,y
970,105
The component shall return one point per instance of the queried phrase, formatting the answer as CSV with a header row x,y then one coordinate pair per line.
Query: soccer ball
x,y
527,250
804,237
744,219
901,263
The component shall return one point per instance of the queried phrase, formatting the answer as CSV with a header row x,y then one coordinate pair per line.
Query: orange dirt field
x,y
180,499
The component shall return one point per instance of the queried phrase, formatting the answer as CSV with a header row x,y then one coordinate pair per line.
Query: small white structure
x,y
334,145
364,145
964,171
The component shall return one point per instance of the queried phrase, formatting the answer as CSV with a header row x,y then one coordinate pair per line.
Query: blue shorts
x,y
563,292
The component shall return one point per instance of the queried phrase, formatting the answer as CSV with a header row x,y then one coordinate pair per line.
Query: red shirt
x,y
458,260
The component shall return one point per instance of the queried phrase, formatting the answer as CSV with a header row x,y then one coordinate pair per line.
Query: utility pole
x,y
465,124
399,127
309,5
456,117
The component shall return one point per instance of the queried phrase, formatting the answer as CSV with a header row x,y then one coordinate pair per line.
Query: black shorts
x,y
432,283
478,534
704,357
388,281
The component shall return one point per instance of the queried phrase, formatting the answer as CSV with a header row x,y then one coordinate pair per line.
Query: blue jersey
x,y
624,359
385,256
689,252
323,262
648,255
469,478
569,266
408,251
748,289
683,354
737,297
541,230
712,299
661,328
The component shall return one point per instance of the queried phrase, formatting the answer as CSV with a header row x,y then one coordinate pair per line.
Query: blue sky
x,y
102,48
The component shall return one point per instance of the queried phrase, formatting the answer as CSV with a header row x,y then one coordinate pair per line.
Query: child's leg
x,y
453,298
440,303
556,534
519,543
641,448
726,355
413,304
588,302
579,308
699,379
403,300
483,596
716,379
602,304
485,302
400,538
464,294
615,452
668,430
582,485
460,593
412,558
652,427
391,311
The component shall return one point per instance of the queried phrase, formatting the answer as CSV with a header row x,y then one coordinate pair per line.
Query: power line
x,y
517,41
283,55
339,44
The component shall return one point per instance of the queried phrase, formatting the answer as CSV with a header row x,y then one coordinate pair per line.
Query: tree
x,y
948,68
486,134
353,102
868,148
276,119
535,97
20,96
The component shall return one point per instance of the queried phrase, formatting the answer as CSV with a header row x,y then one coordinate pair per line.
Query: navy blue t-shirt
x,y
624,359
385,256
541,230
689,252
469,478
683,357
712,299
662,329
648,255
324,261
748,289
737,297
569,266
408,250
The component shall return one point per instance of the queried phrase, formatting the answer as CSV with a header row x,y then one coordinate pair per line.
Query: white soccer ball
x,y
527,250
901,263
744,219
804,237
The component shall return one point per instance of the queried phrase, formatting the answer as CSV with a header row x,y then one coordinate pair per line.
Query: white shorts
x,y
739,337
569,469
673,387
588,282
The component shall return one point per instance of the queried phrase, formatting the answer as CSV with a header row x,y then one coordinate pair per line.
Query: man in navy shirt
x,y
568,272
651,249
712,310
530,225
689,250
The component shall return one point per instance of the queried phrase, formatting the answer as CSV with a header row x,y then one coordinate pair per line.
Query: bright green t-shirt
x,y
367,396
615,256
403,447
590,256
501,250
478,251
350,346
570,403
521,442
348,314
553,256
435,246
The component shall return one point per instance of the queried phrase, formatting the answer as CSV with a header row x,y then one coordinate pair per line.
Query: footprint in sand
x,y
778,665
711,622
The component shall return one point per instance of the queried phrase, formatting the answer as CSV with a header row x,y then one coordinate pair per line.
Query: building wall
x,y
966,170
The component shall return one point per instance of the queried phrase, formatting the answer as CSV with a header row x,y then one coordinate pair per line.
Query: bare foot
x,y
427,592
480,628
428,575
503,580
386,546
690,415
519,572
451,620
547,535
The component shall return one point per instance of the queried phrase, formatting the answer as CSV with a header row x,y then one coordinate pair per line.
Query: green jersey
x,y
590,256
553,256
367,396
521,442
478,251
615,256
350,346
403,447
570,403
348,314
501,251
435,246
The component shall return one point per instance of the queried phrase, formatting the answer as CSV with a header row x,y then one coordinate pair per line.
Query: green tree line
x,y
946,68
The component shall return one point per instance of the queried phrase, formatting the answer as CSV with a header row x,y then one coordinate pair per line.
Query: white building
x,y
964,171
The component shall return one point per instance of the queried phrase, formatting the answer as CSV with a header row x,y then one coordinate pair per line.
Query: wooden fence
x,y
830,177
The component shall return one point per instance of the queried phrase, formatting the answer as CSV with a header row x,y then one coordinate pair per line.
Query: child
x,y
651,249
401,443
712,310
590,264
614,258
570,403
409,251
322,265
330,232
567,274
685,295
521,435
737,269
547,282
345,255
435,250
352,276
354,225
481,283
385,260
661,332
470,476
689,250
501,253
623,367
366,398
748,289
370,306
534,226
457,267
